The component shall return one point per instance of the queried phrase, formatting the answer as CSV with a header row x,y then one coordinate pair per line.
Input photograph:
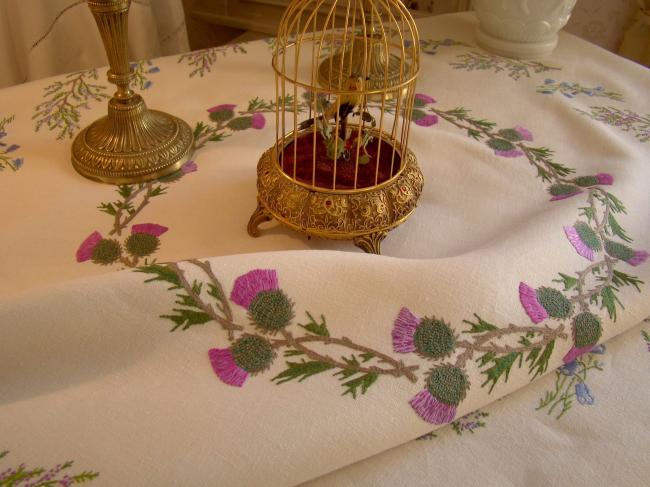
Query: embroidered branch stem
x,y
225,323
482,343
223,305
398,369
119,224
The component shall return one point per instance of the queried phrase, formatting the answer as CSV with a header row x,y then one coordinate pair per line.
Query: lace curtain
x,y
40,38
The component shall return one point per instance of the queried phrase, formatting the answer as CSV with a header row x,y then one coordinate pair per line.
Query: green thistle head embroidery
x,y
586,330
142,244
586,181
588,236
448,384
107,252
434,339
554,302
619,250
510,134
270,311
253,353
500,145
563,189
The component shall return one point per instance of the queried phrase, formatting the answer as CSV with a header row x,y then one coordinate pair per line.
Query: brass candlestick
x,y
132,143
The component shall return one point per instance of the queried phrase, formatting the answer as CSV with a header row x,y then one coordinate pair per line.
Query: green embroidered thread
x,y
510,134
434,339
619,250
240,123
142,244
271,311
588,236
448,384
586,181
500,145
586,330
554,302
563,189
253,353
107,252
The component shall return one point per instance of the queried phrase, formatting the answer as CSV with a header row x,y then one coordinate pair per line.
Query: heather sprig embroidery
x,y
9,153
571,90
201,62
514,68
59,475
64,101
142,71
432,46
624,119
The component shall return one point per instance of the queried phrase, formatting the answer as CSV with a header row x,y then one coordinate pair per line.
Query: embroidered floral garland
x,y
626,120
43,477
143,241
201,61
596,235
6,160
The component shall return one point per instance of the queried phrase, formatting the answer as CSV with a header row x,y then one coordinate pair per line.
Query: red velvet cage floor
x,y
345,169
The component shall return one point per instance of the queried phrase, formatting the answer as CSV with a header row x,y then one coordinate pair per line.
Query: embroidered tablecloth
x,y
278,359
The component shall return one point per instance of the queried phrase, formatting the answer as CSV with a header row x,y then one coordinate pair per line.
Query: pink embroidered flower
x,y
188,167
423,99
446,387
601,178
268,306
226,107
575,352
509,153
625,253
249,355
584,239
428,337
258,121
150,228
524,133
544,302
85,251
427,120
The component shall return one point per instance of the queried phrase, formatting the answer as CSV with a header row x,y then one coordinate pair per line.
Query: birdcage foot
x,y
371,242
259,216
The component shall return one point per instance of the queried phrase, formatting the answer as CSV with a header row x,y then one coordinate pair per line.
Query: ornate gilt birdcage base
x,y
364,216
132,144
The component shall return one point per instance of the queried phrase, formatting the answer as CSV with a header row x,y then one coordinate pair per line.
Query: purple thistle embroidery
x,y
640,256
581,247
432,410
524,133
224,107
425,99
427,120
223,364
605,178
85,250
258,121
509,153
188,167
528,299
150,228
248,286
404,330
564,196
574,353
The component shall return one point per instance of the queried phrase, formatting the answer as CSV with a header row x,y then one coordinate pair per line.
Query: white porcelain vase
x,y
523,29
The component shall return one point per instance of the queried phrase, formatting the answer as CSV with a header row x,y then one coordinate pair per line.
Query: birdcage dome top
x,y
321,44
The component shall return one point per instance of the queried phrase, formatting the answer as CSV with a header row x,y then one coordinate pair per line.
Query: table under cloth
x,y
291,358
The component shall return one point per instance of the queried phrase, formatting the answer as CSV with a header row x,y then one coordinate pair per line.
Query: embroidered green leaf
x,y
617,205
620,279
218,137
4,454
187,318
609,300
301,371
158,191
161,273
352,369
199,129
479,327
588,212
501,369
568,281
367,356
362,382
292,353
616,229
107,208
538,363
485,358
314,327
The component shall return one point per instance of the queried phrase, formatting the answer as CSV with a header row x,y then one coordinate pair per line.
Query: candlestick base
x,y
132,144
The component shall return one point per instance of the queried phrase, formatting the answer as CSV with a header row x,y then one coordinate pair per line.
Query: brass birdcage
x,y
345,84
